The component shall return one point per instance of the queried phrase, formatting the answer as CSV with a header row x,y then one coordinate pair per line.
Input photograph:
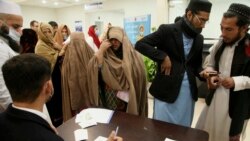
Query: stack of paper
x,y
92,116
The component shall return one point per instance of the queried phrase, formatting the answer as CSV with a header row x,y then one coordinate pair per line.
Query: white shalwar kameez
x,y
215,118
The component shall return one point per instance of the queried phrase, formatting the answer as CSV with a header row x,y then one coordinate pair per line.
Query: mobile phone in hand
x,y
213,73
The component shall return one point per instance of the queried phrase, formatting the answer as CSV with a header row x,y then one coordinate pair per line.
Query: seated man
x,y
28,79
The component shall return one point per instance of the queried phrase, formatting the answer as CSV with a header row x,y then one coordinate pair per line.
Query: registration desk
x,y
135,128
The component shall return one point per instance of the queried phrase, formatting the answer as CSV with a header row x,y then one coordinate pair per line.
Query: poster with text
x,y
137,27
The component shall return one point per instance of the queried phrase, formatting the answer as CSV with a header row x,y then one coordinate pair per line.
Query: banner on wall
x,y
137,27
78,26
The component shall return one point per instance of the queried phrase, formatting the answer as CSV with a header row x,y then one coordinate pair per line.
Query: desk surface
x,y
135,128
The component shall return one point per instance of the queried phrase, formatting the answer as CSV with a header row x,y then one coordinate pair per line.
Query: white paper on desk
x,y
101,138
167,139
81,134
85,119
97,114
86,124
102,115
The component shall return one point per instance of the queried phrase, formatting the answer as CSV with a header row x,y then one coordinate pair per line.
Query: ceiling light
x,y
56,3
77,0
176,1
44,1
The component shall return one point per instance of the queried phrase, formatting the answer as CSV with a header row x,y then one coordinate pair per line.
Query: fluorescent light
x,y
44,1
56,3
176,1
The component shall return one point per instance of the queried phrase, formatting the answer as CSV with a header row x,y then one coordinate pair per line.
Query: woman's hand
x,y
103,48
57,46
63,50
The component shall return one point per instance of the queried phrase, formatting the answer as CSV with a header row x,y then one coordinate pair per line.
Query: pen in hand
x,y
113,136
116,131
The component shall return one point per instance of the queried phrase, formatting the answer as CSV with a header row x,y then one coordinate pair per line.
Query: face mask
x,y
65,37
97,32
141,33
14,35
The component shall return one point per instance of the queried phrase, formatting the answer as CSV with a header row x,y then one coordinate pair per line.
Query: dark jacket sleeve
x,y
198,61
149,45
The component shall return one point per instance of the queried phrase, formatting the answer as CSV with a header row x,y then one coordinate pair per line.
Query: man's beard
x,y
4,29
4,32
189,29
233,40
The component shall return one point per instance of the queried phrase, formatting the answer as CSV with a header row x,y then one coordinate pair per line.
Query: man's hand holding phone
x,y
212,77
207,74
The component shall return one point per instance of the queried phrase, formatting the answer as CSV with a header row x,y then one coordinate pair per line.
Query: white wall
x,y
113,17
37,13
123,9
135,8
115,11
212,29
69,15
176,10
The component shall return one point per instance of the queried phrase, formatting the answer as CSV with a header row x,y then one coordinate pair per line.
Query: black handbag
x,y
166,87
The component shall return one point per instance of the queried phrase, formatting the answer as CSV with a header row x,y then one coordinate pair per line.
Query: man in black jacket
x,y
228,105
177,49
28,80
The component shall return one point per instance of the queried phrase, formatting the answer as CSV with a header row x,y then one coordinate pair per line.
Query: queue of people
x,y
49,74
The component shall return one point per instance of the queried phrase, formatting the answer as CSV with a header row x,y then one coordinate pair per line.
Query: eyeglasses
x,y
201,20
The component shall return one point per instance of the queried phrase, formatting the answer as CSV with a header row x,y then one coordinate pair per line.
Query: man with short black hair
x,y
54,25
228,107
34,25
177,49
28,79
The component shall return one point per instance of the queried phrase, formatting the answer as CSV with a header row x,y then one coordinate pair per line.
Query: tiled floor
x,y
198,108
